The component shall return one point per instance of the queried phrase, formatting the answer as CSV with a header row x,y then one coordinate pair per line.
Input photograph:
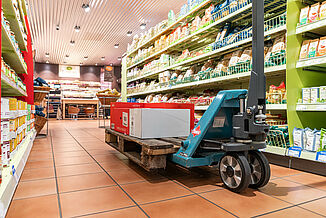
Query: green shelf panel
x,y
8,88
10,54
10,14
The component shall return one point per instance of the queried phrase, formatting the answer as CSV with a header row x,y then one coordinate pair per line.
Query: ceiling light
x,y
72,42
86,57
119,58
111,64
143,26
77,28
96,64
129,33
116,45
81,63
47,62
57,27
67,56
47,55
86,7
102,58
65,62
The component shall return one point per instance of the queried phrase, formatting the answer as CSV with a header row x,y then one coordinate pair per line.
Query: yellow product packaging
x,y
321,51
12,145
314,12
12,104
16,143
304,49
322,10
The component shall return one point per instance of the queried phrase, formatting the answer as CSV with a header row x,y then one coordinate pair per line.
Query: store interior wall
x,y
51,72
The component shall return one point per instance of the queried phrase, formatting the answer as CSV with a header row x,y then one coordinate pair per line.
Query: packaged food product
x,y
322,139
246,55
235,58
313,45
304,49
314,13
195,24
299,137
279,44
321,51
306,95
314,96
304,15
322,11
322,94
310,140
171,17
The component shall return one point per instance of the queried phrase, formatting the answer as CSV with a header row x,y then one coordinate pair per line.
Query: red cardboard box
x,y
120,113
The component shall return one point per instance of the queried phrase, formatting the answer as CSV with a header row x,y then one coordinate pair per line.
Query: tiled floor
x,y
73,172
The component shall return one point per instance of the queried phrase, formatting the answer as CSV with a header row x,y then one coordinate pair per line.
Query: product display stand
x,y
43,135
104,104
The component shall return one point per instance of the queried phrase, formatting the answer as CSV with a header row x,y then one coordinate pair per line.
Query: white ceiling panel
x,y
104,26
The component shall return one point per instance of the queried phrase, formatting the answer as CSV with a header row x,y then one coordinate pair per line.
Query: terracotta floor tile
x,y
318,206
34,207
110,166
291,192
95,200
134,212
247,204
38,173
70,154
85,181
145,192
279,171
107,158
60,161
39,164
35,188
40,156
191,206
123,176
296,212
101,151
66,149
78,169
310,180
201,184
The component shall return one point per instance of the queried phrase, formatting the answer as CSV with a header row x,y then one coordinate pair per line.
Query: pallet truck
x,y
233,129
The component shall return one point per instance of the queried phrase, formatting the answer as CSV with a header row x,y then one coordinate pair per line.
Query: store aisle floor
x,y
73,172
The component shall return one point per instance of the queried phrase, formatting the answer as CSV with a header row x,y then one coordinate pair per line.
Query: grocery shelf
x,y
318,27
236,76
318,63
9,12
171,26
195,34
275,150
311,107
10,54
22,10
211,54
9,88
18,161
268,107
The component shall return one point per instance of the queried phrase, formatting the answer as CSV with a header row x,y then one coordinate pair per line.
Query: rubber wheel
x,y
260,170
235,171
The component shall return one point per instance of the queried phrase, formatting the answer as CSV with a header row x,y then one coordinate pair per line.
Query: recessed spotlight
x,y
102,58
47,55
86,7
116,45
111,64
119,58
129,33
86,57
81,63
96,64
47,62
143,26
57,27
72,42
67,56
65,62
77,29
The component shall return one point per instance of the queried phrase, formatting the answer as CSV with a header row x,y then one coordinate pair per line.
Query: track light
x,y
47,55
47,62
86,7
116,45
129,33
77,28
85,58
72,42
143,26
119,58
102,58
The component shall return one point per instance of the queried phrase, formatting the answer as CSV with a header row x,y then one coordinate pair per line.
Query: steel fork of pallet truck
x,y
233,129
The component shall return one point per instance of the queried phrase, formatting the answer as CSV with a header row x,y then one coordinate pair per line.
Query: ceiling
x,y
105,25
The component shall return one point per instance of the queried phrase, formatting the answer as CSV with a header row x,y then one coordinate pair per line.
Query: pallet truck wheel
x,y
235,171
260,170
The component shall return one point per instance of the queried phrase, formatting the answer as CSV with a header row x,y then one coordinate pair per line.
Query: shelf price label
x,y
14,173
295,151
321,156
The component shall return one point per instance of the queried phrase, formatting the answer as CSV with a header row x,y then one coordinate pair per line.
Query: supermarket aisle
x,y
74,173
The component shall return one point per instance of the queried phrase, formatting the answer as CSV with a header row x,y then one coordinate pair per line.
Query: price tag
x,y
321,107
14,173
321,156
295,151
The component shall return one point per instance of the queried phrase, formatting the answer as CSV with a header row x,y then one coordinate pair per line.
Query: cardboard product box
x,y
5,130
159,123
314,95
5,153
306,95
5,112
322,93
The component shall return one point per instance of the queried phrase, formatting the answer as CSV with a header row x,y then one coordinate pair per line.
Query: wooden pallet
x,y
149,153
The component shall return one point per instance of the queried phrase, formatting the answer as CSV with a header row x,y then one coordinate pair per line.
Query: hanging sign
x,y
69,71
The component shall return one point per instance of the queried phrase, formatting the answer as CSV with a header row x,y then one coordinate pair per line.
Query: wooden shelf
x,y
9,88
10,14
10,54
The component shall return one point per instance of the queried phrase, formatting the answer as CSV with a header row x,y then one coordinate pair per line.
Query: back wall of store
x,y
51,72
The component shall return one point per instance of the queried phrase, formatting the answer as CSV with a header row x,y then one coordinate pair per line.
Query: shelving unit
x,y
311,107
8,88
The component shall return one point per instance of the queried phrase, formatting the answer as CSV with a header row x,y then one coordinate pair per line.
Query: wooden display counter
x,y
79,101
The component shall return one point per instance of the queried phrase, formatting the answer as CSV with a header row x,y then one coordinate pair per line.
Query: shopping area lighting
x,y
47,55
86,7
77,29
119,58
129,33
96,64
67,56
81,63
72,42
85,58
143,26
102,58
47,62
116,45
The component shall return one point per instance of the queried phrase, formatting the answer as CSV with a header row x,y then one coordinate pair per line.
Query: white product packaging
x,y
5,131
299,138
159,123
322,93
314,95
5,153
306,95
310,136
5,112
